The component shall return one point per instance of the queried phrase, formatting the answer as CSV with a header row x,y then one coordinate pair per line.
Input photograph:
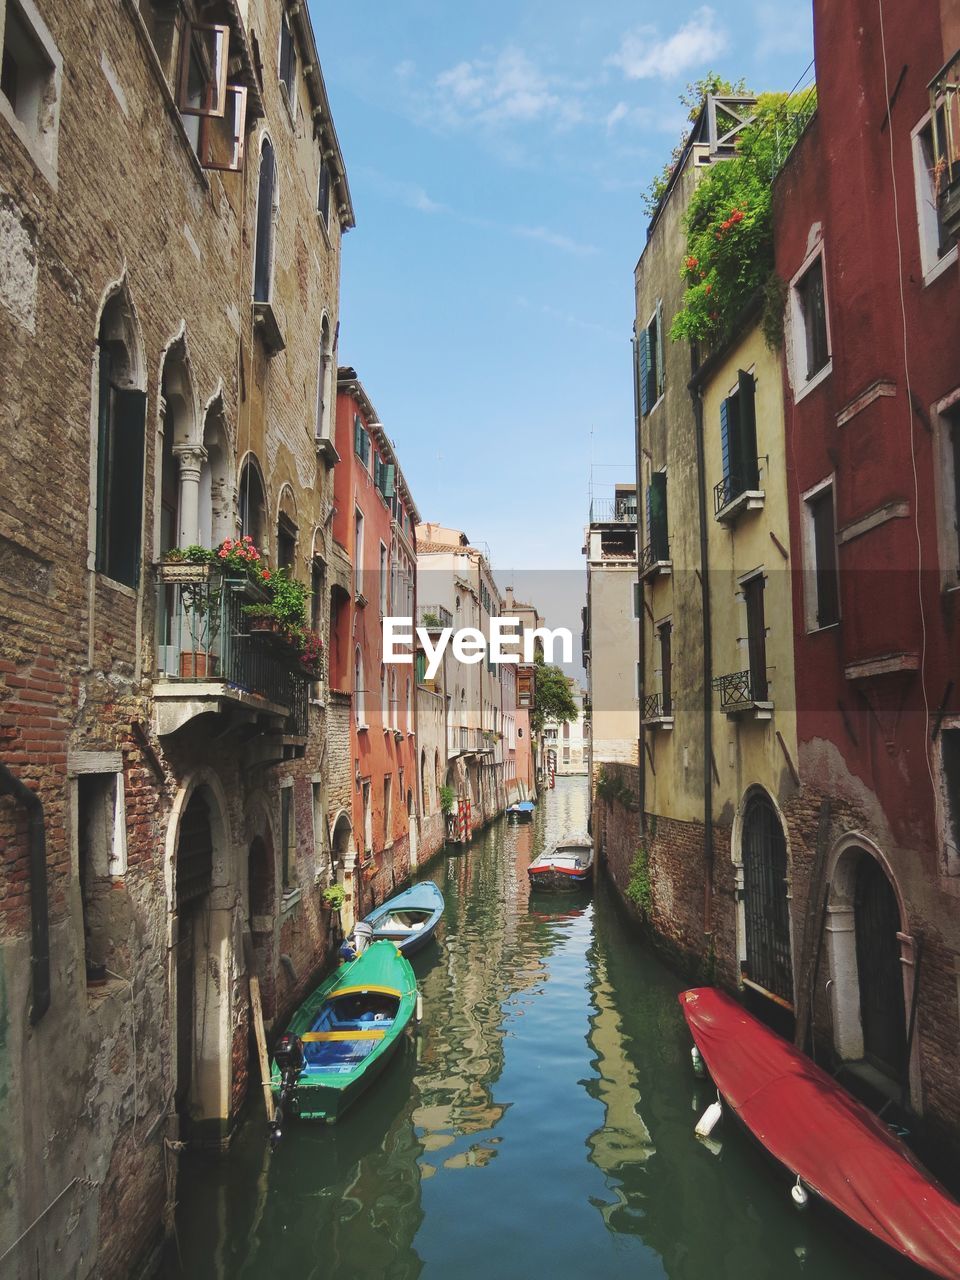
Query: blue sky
x,y
496,154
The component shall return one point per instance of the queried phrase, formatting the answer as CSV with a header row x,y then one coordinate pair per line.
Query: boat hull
x,y
559,881
424,896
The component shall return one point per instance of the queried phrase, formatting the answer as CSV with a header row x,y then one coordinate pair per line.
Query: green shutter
x,y
389,478
644,344
659,353
357,435
750,469
376,471
657,515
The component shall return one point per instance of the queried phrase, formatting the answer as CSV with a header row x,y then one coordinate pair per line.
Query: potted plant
x,y
334,896
447,797
194,571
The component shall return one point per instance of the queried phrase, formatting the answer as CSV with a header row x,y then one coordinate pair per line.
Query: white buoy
x,y
798,1193
419,1013
697,1059
708,1121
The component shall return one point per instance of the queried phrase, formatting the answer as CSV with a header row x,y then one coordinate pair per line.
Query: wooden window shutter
x,y
750,469
657,514
644,344
660,352
389,478
263,248
104,448
125,514
357,434
725,437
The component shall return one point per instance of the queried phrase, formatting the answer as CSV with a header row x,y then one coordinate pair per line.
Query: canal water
x,y
541,1124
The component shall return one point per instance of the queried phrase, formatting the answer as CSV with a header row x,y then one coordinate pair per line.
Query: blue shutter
x,y
389,474
644,371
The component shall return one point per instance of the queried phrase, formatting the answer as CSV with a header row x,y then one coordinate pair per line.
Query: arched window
x,y
769,963
324,423
253,505
266,214
287,530
121,429
424,785
216,493
358,690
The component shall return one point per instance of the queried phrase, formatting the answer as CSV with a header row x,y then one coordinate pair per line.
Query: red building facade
x,y
374,523
872,383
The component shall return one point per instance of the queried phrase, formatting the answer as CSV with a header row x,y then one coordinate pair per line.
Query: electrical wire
x,y
910,426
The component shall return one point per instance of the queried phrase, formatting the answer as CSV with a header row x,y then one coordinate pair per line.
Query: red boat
x,y
835,1146
568,866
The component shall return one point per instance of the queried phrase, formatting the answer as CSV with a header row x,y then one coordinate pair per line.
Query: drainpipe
x,y
39,914
641,629
696,397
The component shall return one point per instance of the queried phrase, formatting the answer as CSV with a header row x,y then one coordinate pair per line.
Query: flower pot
x,y
263,626
197,665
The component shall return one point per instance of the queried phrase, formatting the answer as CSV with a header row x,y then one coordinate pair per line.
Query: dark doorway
x,y
194,875
877,922
766,909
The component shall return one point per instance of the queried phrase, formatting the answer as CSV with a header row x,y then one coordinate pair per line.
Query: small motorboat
x,y
568,866
829,1142
522,811
343,1035
408,920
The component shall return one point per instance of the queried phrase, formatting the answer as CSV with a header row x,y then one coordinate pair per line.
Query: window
x,y
286,542
383,580
657,516
288,838
361,442
936,247
756,637
409,706
948,467
30,81
121,428
664,637
101,857
810,330
323,425
321,851
367,820
384,699
358,690
637,602
651,361
252,505
324,183
287,70
388,809
738,442
421,666
822,596
266,214
358,553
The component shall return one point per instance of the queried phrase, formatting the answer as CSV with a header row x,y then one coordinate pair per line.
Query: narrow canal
x,y
541,1124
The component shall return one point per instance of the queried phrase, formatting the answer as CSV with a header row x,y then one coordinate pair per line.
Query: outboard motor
x,y
288,1056
358,941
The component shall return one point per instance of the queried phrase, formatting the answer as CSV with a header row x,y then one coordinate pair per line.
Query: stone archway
x,y
343,852
871,957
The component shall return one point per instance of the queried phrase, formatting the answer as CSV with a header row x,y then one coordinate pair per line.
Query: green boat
x,y
343,1035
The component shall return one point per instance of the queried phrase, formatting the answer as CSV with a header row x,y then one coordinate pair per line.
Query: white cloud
x,y
555,239
505,89
617,114
643,55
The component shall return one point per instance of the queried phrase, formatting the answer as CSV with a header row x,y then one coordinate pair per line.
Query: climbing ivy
x,y
612,788
640,890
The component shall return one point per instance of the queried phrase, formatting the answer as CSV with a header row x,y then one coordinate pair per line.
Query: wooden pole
x,y
256,1009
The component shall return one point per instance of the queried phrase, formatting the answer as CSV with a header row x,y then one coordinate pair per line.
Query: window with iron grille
x,y
651,372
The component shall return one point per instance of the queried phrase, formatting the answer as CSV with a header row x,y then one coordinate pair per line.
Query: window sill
x,y
941,267
285,97
830,626
749,711
362,728
326,450
267,325
654,722
804,388
288,900
121,588
749,500
656,405
324,229
657,569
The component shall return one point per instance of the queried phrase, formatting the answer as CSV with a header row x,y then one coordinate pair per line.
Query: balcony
x,y
433,617
744,694
945,108
654,561
209,661
614,511
731,499
656,711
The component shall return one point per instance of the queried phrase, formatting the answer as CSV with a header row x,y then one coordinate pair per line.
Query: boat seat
x,y
314,1037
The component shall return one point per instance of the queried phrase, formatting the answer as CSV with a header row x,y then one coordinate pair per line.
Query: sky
x,y
497,154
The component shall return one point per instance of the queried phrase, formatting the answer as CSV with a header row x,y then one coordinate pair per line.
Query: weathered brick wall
x,y
433,834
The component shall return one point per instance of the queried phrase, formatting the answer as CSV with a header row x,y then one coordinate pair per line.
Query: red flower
x,y
691,263
222,553
708,288
265,574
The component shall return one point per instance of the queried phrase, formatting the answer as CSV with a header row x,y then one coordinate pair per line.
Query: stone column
x,y
191,458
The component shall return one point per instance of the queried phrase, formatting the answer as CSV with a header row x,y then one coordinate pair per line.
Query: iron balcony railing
x,y
434,615
204,636
741,689
652,554
728,490
656,707
613,511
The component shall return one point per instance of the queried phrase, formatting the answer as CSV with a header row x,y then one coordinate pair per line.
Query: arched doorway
x,y
766,909
876,915
194,879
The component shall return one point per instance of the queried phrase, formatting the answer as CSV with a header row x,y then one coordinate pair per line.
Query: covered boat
x,y
409,920
567,866
522,811
830,1142
343,1035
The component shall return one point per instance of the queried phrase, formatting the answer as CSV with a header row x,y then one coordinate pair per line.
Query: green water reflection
x,y
541,1125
